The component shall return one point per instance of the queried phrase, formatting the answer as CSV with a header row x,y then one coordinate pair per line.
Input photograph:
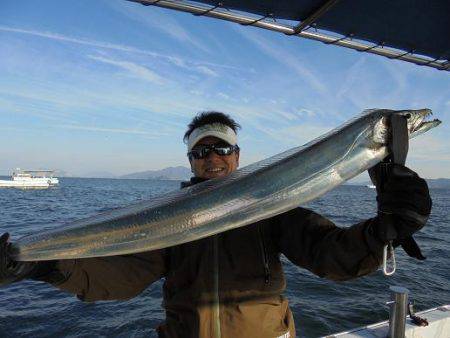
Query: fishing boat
x,y
30,179
393,36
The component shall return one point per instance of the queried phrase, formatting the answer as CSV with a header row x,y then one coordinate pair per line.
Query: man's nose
x,y
211,155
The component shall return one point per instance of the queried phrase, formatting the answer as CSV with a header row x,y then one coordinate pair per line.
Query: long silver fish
x,y
258,191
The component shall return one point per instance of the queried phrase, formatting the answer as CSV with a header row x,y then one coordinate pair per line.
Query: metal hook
x,y
389,247
430,61
257,20
149,3
371,47
340,39
402,55
446,65
208,10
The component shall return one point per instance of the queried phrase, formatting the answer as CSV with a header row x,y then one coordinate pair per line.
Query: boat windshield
x,y
34,173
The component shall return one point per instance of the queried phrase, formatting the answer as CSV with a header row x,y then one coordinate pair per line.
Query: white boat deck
x,y
438,319
30,179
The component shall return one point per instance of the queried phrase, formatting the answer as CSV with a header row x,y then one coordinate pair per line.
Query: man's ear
x,y
237,158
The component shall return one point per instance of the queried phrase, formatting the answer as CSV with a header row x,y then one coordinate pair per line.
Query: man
x,y
231,284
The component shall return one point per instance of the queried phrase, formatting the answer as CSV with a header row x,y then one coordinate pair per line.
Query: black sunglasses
x,y
204,150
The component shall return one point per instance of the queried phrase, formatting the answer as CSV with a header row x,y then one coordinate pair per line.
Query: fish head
x,y
417,122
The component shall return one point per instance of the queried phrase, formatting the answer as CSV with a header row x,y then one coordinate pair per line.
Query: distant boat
x,y
371,186
30,179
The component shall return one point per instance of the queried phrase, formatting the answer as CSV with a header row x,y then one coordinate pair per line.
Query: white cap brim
x,y
218,130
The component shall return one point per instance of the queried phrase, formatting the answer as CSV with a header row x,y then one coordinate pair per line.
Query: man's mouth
x,y
215,170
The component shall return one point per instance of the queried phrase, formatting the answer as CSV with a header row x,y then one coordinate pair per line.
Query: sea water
x,y
320,307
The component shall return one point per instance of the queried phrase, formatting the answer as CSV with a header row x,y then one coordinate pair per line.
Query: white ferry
x,y
30,179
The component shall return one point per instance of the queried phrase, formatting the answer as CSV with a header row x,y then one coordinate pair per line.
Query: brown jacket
x,y
230,285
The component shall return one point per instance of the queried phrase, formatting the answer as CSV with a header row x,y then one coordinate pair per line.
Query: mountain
x,y
171,173
98,174
62,173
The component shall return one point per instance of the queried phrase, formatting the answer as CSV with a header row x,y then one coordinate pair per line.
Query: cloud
x,y
429,148
285,58
43,107
351,77
276,124
134,69
285,115
196,92
381,77
223,96
113,130
178,62
87,42
156,19
14,129
207,71
296,135
306,112
202,67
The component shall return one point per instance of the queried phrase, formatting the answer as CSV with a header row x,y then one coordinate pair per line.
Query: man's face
x,y
214,165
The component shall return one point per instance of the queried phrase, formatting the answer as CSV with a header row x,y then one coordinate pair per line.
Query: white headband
x,y
218,130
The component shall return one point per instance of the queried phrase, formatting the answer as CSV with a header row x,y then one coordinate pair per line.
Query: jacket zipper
x,y
216,300
264,256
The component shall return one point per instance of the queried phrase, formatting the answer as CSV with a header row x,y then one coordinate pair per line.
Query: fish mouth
x,y
419,121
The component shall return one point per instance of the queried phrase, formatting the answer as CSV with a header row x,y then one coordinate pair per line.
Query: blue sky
x,y
109,85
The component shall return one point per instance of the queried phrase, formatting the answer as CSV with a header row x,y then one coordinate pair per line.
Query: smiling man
x,y
212,145
231,284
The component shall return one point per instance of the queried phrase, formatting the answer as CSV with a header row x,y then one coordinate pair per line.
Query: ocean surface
x,y
320,307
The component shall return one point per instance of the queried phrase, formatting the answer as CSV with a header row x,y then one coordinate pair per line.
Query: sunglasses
x,y
204,150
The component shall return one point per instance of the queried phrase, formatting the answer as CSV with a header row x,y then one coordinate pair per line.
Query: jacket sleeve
x,y
312,241
110,278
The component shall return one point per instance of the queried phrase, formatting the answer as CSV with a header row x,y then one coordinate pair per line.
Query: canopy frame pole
x,y
346,42
257,20
313,17
219,4
381,45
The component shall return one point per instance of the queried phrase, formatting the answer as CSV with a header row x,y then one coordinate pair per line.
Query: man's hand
x,y
10,270
404,205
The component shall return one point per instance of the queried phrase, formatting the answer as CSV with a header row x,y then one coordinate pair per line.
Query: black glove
x,y
404,205
10,270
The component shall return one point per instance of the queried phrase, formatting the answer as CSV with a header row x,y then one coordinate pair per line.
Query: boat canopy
x,y
416,31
